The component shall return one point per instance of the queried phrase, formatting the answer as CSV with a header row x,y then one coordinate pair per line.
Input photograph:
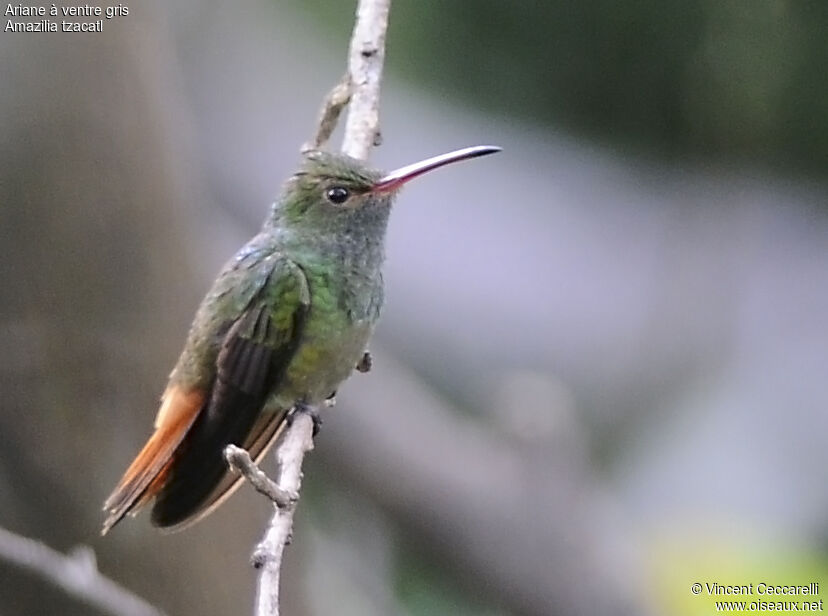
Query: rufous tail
x,y
149,471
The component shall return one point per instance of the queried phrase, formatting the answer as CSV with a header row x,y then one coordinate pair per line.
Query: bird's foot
x,y
365,363
301,407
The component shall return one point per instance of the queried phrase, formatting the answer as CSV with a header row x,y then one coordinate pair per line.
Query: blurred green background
x,y
696,79
600,375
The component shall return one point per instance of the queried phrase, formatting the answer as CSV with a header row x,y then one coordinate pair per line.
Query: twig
x,y
76,573
365,59
360,88
268,554
239,459
335,102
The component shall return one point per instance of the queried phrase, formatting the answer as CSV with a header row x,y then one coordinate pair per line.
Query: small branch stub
x,y
334,103
241,461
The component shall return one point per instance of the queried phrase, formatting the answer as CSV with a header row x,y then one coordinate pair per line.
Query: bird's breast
x,y
339,323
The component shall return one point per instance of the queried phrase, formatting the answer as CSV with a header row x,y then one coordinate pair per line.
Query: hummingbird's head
x,y
331,184
334,191
328,193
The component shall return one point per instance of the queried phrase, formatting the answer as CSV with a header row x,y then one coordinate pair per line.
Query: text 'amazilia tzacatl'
x,y
287,321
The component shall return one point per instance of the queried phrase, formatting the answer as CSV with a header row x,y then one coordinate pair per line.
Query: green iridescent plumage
x,y
301,298
286,321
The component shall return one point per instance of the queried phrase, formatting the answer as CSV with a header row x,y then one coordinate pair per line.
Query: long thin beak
x,y
398,177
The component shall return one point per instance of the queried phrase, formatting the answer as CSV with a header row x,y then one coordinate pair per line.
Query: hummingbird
x,y
285,323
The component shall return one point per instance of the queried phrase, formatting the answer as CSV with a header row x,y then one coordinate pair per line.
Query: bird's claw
x,y
365,362
310,410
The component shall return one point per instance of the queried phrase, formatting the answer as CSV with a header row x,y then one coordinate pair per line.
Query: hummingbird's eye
x,y
337,195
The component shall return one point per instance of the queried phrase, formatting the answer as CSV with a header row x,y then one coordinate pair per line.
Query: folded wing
x,y
182,465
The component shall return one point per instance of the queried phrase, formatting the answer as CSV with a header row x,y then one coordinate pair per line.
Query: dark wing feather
x,y
182,464
263,434
253,357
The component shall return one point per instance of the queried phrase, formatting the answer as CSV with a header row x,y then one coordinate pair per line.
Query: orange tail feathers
x,y
148,472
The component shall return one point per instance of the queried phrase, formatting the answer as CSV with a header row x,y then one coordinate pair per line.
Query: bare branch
x,y
267,558
334,103
365,60
240,460
76,573
360,88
